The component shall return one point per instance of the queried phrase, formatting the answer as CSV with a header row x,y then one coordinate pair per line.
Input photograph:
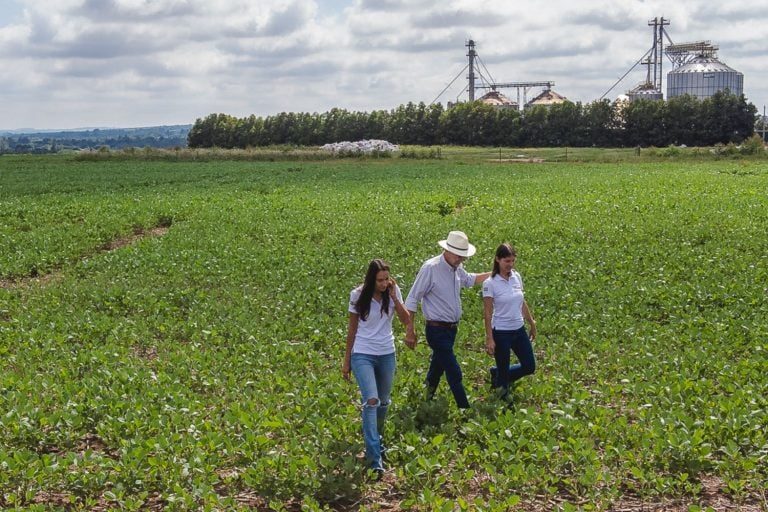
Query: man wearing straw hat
x,y
437,287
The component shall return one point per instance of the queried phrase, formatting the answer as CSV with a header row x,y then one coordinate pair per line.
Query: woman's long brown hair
x,y
505,250
363,304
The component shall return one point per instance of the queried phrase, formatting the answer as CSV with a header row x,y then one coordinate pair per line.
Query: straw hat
x,y
458,244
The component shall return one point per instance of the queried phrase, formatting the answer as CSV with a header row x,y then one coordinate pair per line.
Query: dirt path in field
x,y
130,240
517,160
56,274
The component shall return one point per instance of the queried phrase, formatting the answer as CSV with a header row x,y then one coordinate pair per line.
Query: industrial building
x,y
494,97
696,69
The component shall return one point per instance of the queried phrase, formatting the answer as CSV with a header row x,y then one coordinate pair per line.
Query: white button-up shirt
x,y
437,287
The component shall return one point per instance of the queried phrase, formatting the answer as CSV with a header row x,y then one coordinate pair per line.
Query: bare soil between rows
x,y
41,280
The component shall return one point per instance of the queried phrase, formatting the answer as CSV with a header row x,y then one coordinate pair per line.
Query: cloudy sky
x,y
126,63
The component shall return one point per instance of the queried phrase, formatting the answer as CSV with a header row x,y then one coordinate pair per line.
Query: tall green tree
x,y
430,130
454,125
535,127
683,120
507,127
644,123
599,120
565,125
727,118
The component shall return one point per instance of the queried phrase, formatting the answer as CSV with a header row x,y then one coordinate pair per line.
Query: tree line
x,y
722,118
113,138
25,144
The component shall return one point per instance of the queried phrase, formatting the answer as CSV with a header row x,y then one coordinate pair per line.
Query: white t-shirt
x,y
374,334
508,299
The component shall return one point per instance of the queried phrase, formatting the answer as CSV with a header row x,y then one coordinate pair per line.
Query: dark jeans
x,y
518,342
441,340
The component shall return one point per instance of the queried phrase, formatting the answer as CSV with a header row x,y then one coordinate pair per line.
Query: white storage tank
x,y
702,77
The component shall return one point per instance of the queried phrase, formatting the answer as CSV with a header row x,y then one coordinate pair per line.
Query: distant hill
x,y
113,138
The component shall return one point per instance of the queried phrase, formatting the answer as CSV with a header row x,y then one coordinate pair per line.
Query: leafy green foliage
x,y
722,118
200,369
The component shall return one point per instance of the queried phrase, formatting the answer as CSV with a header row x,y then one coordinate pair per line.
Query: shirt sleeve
x,y
398,294
487,288
419,288
520,278
467,279
353,296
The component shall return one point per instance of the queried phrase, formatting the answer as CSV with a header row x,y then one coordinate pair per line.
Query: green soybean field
x,y
172,333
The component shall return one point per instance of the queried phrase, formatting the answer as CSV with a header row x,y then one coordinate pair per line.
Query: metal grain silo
x,y
645,91
702,77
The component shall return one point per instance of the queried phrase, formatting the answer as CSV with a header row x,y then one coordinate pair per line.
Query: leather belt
x,y
444,325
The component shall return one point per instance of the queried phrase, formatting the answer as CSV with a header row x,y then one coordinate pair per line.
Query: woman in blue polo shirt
x,y
505,315
370,352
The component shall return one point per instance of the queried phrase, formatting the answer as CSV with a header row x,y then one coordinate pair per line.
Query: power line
x,y
450,84
646,54
486,69
482,79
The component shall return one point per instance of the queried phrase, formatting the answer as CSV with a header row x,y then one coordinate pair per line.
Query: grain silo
x,y
546,98
702,77
645,91
695,69
498,100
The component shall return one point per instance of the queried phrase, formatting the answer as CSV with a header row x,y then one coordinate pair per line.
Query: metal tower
x,y
652,59
657,53
472,55
486,80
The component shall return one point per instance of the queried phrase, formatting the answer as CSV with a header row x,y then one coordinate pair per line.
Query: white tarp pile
x,y
361,146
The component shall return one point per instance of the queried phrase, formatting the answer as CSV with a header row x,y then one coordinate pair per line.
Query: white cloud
x,y
70,63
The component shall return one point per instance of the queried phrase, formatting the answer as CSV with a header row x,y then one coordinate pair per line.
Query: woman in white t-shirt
x,y
370,352
505,315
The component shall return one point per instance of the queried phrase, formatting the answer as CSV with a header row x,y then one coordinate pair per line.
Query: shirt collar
x,y
444,263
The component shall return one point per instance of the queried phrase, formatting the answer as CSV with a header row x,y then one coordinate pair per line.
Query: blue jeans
x,y
441,340
374,375
518,342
